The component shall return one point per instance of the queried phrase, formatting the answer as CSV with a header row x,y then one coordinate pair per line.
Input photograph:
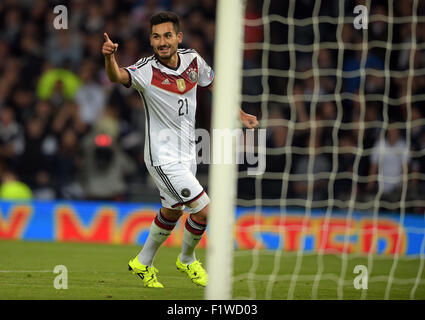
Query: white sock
x,y
192,234
159,231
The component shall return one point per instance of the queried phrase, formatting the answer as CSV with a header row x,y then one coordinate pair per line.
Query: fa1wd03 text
x,y
225,309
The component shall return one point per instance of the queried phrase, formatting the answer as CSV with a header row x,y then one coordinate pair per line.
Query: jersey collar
x,y
168,67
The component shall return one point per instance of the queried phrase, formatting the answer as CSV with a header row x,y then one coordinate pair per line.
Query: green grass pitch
x,y
99,271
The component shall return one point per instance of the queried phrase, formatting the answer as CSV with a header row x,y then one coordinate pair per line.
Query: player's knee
x,y
201,216
170,214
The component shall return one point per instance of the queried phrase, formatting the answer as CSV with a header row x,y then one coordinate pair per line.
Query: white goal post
x,y
226,104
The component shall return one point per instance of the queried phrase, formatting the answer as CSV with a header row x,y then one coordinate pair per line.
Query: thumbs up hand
x,y
109,48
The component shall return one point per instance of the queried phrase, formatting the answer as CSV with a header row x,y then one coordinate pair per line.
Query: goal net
x,y
333,206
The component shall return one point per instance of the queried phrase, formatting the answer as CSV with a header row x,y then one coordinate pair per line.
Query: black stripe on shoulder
x,y
145,62
140,62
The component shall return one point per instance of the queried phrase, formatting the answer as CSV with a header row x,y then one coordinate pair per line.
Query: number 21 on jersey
x,y
183,107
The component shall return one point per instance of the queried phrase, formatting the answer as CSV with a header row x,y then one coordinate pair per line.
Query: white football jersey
x,y
169,97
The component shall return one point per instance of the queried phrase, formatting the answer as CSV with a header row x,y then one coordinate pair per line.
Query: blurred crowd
x,y
67,132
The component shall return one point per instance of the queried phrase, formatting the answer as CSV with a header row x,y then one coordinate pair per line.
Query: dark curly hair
x,y
166,16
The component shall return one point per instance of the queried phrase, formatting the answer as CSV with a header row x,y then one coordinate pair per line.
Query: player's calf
x,y
142,265
192,234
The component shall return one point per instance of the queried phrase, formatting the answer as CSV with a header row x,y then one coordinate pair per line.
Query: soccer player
x,y
167,83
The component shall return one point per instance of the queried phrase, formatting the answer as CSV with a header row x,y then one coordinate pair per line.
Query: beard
x,y
166,56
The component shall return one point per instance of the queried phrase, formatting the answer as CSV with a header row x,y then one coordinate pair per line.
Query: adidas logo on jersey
x,y
166,81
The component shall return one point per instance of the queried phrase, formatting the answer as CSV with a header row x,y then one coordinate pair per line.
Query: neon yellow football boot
x,y
195,271
146,273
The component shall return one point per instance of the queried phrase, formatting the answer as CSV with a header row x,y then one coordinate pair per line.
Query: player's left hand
x,y
249,120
